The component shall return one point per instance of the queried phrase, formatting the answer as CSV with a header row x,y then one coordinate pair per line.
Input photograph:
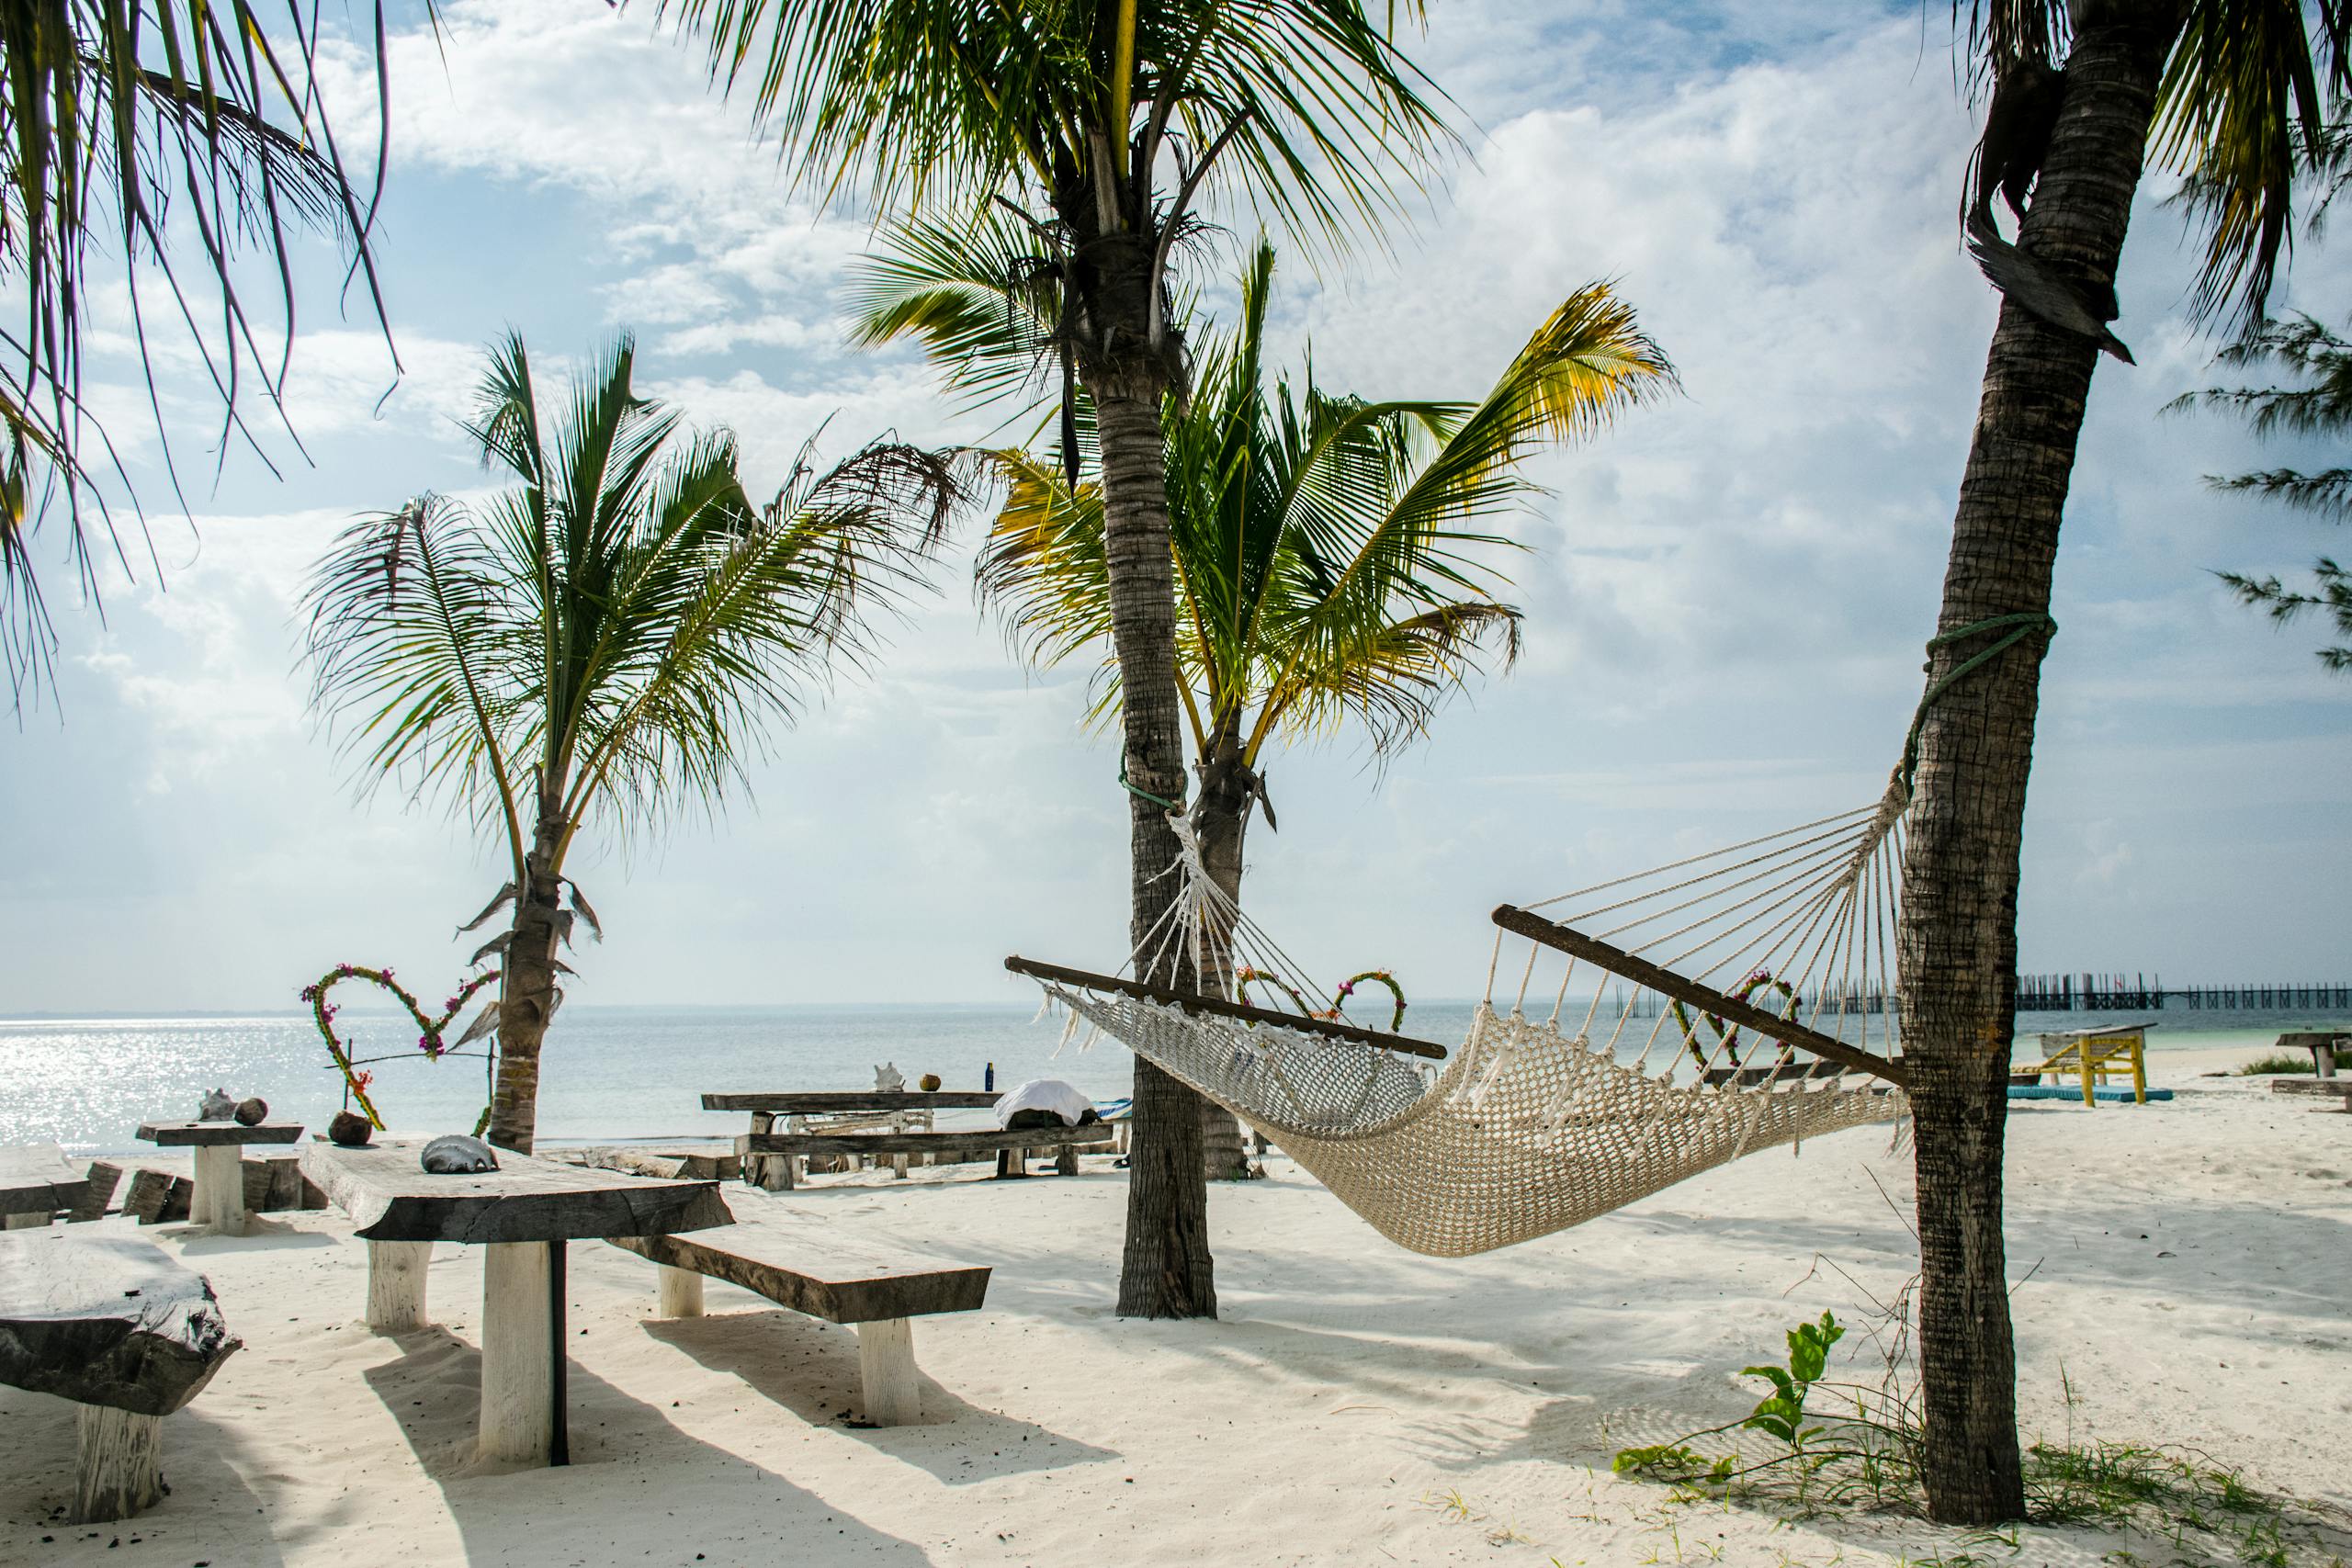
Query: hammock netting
x,y
1607,1089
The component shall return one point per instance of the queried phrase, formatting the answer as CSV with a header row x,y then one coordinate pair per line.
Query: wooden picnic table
x,y
522,1213
36,1182
2323,1045
218,1200
769,1156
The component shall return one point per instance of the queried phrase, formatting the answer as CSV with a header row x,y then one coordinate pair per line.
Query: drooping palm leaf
x,y
119,123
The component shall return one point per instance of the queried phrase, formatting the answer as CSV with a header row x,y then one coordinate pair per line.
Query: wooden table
x,y
769,1156
118,1327
522,1213
218,1200
2323,1045
36,1182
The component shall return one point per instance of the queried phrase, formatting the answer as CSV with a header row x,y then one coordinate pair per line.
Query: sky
x,y
1725,594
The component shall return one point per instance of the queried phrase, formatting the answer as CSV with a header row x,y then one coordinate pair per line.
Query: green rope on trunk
x,y
1146,794
2025,622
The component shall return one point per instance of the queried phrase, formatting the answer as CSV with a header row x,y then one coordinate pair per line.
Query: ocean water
x,y
611,1074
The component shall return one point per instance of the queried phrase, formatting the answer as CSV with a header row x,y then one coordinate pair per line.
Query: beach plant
x,y
1835,1446
149,151
1104,130
609,641
2081,93
2279,1063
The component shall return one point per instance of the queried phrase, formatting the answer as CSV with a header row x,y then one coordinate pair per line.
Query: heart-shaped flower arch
x,y
430,1039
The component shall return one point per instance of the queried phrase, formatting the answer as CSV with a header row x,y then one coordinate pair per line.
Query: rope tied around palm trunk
x,y
2025,623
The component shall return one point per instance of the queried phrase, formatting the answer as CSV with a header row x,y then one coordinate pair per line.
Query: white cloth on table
x,y
1065,1100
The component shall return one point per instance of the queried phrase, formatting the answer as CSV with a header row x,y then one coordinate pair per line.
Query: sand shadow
x,y
740,1510
209,1510
810,1369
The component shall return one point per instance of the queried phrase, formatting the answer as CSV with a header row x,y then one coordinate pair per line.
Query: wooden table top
x,y
391,1197
812,1102
37,1178
204,1134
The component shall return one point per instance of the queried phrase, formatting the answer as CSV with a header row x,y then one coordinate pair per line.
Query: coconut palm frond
x,y
624,630
984,300
1043,569
121,127
417,647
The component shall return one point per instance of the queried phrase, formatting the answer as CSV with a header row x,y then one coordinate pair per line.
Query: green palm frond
x,y
984,300
1330,565
121,126
623,636
939,103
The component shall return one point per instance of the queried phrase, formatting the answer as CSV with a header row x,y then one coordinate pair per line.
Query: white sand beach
x,y
2186,1267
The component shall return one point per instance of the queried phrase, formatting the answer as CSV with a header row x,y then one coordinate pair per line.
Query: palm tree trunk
x,y
1166,1270
1959,927
1221,818
526,988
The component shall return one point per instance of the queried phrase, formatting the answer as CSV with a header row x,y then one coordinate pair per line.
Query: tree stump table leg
x,y
396,1285
518,1346
899,1167
1066,1163
119,1464
219,1199
678,1292
886,1361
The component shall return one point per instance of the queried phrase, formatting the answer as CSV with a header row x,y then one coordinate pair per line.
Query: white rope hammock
x,y
1738,1000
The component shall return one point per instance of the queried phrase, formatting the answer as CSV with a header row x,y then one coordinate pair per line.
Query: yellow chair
x,y
2094,1055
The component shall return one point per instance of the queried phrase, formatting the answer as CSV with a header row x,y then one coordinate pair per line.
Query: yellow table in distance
x,y
2095,1055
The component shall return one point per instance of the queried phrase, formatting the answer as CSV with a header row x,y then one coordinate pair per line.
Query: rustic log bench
x,y
121,1330
37,1183
1010,1146
806,1266
2333,1089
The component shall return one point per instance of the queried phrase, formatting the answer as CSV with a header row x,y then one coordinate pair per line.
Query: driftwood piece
x,y
213,1134
819,1102
104,1177
810,1267
37,1178
1093,1134
389,1197
158,1197
107,1320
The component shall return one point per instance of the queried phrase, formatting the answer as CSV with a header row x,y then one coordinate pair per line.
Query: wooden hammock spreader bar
x,y
1192,1002
1618,961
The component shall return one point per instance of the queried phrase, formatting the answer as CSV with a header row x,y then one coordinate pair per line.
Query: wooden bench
x,y
2333,1088
1010,1145
37,1183
121,1330
219,1196
2321,1044
806,1266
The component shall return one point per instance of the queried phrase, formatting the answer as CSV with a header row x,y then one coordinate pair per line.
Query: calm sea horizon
x,y
614,1073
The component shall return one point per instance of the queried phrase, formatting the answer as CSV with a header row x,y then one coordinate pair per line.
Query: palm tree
x,y
119,123
1099,124
1326,571
2318,404
608,642
2225,90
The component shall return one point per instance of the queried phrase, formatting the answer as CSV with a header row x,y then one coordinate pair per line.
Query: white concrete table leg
x,y
899,1167
679,1292
517,1343
396,1285
886,1361
119,1468
28,1222
220,1197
